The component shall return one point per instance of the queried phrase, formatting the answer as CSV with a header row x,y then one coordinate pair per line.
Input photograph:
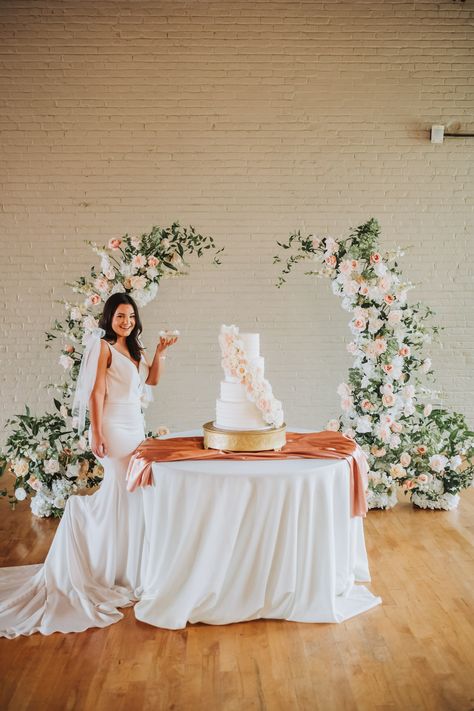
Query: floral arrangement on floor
x,y
257,389
49,459
386,403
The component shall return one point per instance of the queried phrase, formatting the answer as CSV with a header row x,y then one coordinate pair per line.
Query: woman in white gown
x,y
94,564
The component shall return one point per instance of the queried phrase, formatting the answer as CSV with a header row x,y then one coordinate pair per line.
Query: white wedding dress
x,y
94,564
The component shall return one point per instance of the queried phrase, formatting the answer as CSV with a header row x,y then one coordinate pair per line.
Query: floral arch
x,y
48,458
386,405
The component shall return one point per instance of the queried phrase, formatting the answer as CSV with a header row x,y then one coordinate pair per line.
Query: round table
x,y
228,541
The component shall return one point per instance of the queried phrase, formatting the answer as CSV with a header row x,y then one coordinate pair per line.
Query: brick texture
x,y
245,119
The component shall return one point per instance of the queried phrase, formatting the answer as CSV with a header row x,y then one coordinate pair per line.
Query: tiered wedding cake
x,y
234,410
248,416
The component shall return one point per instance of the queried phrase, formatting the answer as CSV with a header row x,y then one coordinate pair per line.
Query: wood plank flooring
x,y
414,652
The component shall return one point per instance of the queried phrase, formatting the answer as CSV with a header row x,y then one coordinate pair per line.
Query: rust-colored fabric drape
x,y
312,445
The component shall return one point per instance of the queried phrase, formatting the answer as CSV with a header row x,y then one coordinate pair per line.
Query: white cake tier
x,y
255,363
232,392
251,343
239,416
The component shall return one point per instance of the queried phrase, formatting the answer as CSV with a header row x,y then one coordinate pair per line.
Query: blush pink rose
x,y
69,348
423,478
387,368
405,459
94,299
359,323
404,351
388,400
380,345
114,243
331,260
389,298
366,405
153,261
409,484
422,449
375,258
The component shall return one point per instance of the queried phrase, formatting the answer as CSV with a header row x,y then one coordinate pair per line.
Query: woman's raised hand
x,y
167,339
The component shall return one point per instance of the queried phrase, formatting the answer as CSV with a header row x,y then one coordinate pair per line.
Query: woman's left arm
x,y
156,366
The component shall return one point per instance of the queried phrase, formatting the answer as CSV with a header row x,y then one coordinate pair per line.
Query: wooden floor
x,y
416,651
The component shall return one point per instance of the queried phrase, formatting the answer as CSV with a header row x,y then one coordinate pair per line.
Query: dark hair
x,y
133,340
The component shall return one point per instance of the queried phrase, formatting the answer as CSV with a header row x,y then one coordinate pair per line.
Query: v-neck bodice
x,y
124,381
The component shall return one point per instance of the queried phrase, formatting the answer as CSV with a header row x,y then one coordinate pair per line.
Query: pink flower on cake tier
x,y
263,405
153,261
114,243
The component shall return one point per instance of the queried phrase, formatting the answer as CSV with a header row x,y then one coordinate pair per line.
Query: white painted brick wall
x,y
246,119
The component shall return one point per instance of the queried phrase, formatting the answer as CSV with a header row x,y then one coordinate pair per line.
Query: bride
x,y
94,564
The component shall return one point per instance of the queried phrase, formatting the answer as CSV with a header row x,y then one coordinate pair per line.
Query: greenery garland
x,y
48,458
386,404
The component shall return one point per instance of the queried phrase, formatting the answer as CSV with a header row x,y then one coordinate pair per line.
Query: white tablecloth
x,y
228,541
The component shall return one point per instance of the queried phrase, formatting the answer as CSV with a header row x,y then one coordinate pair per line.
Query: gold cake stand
x,y
245,440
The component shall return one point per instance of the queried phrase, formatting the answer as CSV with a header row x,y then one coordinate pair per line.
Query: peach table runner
x,y
311,445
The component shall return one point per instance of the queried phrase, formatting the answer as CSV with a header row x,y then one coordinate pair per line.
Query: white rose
x,y
59,502
138,282
66,361
394,441
405,459
72,470
332,425
364,424
455,462
20,494
20,467
394,317
380,269
438,462
76,314
51,466
152,272
81,444
397,471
